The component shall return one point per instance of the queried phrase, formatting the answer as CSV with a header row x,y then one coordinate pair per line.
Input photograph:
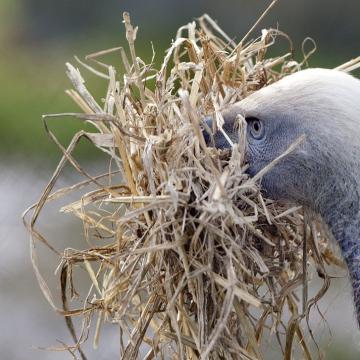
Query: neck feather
x,y
344,222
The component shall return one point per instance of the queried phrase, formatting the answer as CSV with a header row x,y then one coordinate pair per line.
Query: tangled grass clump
x,y
190,261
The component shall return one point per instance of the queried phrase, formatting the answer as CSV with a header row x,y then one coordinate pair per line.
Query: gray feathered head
x,y
323,172
323,105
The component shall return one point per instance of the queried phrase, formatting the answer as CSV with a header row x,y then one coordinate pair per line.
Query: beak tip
x,y
207,126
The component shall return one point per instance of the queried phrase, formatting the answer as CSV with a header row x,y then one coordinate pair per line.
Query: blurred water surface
x,y
27,320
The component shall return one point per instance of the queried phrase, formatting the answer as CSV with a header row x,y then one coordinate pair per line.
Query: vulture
x,y
323,172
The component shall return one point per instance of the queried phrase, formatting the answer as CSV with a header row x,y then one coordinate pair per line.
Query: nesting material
x,y
185,256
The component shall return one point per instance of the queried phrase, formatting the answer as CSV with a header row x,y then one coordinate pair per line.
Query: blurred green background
x,y
37,37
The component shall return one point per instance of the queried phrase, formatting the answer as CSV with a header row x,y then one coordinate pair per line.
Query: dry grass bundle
x,y
190,260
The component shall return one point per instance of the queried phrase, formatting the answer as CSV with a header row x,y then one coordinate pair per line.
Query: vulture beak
x,y
217,139
207,131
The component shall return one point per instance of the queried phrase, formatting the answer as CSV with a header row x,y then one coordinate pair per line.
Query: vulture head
x,y
323,172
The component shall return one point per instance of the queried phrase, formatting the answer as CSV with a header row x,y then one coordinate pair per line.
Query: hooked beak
x,y
218,139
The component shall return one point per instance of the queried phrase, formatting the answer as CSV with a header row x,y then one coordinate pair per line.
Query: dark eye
x,y
255,127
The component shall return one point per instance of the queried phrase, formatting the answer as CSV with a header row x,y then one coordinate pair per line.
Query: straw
x,y
189,261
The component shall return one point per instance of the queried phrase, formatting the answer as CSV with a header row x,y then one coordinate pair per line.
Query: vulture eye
x,y
255,127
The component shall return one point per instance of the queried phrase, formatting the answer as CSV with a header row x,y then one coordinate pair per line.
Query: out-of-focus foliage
x,y
38,36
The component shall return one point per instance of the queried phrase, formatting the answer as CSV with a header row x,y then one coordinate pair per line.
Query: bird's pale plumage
x,y
323,173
